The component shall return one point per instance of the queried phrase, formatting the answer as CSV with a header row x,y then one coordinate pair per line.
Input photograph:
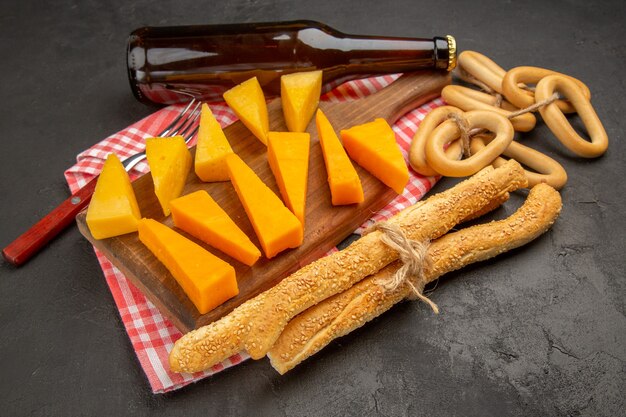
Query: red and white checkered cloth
x,y
151,334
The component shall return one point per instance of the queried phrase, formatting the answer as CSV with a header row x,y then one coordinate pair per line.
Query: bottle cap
x,y
451,52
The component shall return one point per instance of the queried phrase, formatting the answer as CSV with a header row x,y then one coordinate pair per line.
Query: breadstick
x,y
493,204
316,327
257,323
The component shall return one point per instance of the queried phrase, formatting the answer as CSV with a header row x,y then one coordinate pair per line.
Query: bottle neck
x,y
371,54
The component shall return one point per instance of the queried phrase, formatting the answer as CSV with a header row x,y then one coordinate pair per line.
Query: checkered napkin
x,y
151,334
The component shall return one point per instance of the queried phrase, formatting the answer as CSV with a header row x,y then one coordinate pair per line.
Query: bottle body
x,y
169,64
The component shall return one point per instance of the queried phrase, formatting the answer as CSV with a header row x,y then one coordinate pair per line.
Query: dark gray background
x,y
540,331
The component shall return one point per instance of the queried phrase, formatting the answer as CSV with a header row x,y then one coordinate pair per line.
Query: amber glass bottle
x,y
167,64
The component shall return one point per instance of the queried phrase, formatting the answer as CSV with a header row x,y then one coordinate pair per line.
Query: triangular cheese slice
x,y
373,146
288,156
169,161
248,103
207,280
211,149
276,227
200,216
113,209
300,95
343,180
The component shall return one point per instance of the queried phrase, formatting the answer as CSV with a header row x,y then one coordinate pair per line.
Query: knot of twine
x,y
464,128
413,255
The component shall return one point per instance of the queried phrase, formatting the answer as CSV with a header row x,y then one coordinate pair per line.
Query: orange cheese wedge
x,y
211,149
169,161
113,209
207,280
373,146
300,95
288,156
343,180
248,103
200,216
276,227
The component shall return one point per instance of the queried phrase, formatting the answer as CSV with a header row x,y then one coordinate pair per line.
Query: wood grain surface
x,y
325,226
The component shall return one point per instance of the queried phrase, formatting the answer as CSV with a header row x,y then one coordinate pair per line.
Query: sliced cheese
x,y
113,209
207,280
212,147
276,227
300,95
343,180
288,156
200,216
373,146
248,103
169,161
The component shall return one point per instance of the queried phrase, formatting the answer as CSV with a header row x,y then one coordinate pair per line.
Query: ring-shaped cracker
x,y
448,132
468,99
545,169
560,126
531,75
417,155
483,69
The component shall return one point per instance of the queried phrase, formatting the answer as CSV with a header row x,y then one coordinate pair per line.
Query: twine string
x,y
554,97
467,77
414,257
464,128
467,133
499,98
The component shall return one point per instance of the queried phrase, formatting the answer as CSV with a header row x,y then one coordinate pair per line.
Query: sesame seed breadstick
x,y
316,327
257,323
493,204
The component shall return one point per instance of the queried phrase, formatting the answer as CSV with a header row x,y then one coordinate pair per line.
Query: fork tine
x,y
178,118
184,127
191,134
187,129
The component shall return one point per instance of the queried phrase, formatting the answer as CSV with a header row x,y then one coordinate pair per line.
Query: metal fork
x,y
181,125
29,243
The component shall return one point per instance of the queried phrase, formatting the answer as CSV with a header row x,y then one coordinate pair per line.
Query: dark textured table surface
x,y
539,331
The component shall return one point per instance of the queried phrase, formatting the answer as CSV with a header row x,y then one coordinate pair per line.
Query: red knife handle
x,y
29,243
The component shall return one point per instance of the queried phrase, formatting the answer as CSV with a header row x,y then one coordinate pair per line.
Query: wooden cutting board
x,y
326,225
